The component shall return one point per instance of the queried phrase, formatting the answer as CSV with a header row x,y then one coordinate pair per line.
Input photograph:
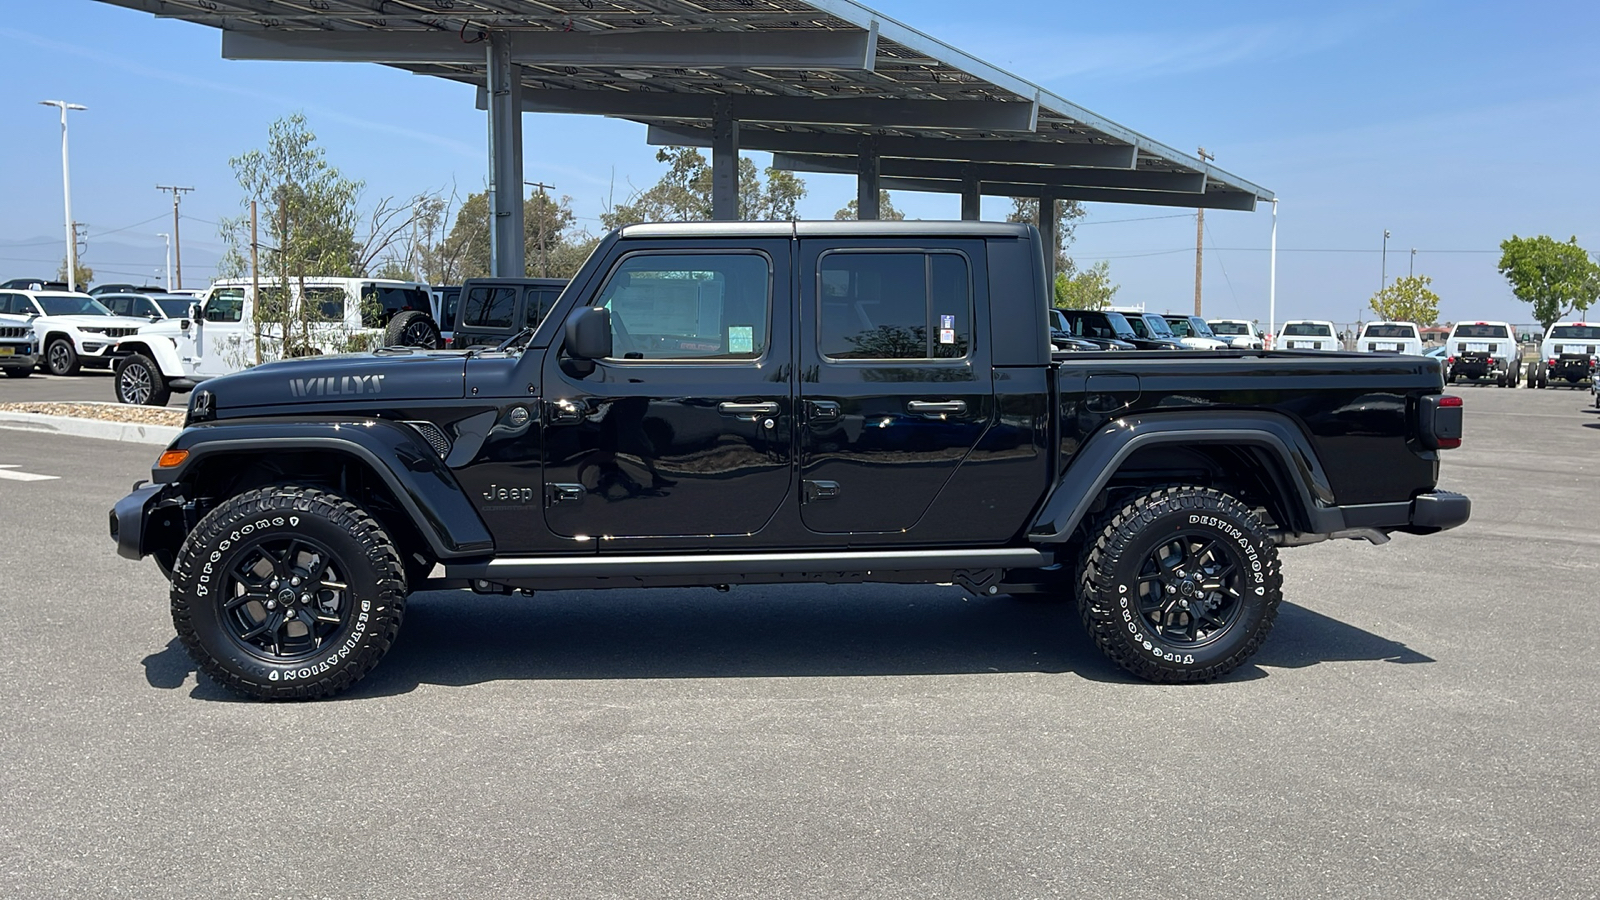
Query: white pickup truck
x,y
219,335
1567,356
1307,334
1483,351
1390,337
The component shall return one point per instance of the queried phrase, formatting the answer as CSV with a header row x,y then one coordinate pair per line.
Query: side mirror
x,y
588,333
194,310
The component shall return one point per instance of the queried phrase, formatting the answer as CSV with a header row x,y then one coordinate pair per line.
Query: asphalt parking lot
x,y
98,385
1421,723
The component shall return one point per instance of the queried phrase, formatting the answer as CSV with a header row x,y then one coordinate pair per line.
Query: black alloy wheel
x,y
1181,584
412,328
288,592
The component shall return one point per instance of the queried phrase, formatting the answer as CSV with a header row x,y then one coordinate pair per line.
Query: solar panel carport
x,y
825,85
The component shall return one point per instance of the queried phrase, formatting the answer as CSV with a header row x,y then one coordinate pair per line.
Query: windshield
x,y
1158,325
1307,329
1390,331
71,306
1201,329
1230,328
1579,332
1480,331
1102,325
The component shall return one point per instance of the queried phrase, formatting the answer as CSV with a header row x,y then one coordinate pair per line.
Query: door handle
x,y
937,407
768,408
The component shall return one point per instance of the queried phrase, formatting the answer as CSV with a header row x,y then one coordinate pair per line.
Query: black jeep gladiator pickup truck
x,y
709,405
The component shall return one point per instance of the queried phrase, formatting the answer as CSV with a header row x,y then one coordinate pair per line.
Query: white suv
x,y
1483,351
1390,337
70,329
219,337
1307,334
1237,333
1568,355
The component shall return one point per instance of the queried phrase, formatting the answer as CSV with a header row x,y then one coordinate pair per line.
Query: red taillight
x,y
1449,401
1450,359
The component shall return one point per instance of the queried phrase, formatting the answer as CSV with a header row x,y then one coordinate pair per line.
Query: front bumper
x,y
19,359
148,522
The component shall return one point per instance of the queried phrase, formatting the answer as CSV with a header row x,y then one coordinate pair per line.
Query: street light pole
x,y
1272,280
66,191
169,258
1412,272
1383,280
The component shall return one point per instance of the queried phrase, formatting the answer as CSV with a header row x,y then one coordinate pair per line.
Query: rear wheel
x,y
1182,584
287,592
139,382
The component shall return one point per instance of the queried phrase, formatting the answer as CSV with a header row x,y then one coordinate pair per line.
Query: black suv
x,y
493,310
1110,330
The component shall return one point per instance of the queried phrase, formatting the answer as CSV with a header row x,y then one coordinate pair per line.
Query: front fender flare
x,y
1092,468
419,481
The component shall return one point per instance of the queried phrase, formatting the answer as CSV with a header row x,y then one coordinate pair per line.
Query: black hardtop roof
x,y
826,228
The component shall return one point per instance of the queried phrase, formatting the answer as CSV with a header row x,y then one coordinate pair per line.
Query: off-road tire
x,y
1450,378
60,357
361,559
412,328
1125,544
138,381
19,371
1532,379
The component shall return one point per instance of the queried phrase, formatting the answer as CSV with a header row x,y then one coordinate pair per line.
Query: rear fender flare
x,y
1311,498
413,473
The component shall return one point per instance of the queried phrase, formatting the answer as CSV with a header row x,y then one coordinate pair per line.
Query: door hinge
x,y
813,491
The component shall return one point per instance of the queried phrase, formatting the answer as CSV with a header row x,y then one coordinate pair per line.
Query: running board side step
x,y
513,568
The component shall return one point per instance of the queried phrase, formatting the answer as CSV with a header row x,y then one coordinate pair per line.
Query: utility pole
x,y
1199,240
169,258
1384,274
66,192
177,193
1412,272
544,215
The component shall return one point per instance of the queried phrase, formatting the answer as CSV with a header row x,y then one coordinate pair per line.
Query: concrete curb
x,y
95,428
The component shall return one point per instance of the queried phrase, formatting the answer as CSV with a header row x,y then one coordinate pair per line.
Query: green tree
x,y
84,273
1554,278
1089,288
886,210
684,193
1068,212
1407,299
549,242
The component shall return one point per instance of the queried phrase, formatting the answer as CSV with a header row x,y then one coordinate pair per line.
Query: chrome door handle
x,y
769,408
937,407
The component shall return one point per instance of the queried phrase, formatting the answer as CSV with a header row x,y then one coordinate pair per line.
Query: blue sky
x,y
1453,125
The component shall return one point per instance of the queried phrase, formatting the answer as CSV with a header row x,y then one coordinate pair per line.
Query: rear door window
x,y
878,305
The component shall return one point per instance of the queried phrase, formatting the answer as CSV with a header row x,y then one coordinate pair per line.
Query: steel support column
x,y
724,162
867,180
1047,235
505,160
971,198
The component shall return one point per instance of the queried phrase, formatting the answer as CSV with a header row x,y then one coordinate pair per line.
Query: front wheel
x,y
60,358
1182,584
139,382
287,592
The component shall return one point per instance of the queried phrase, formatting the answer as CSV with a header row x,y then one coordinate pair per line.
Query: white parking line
x,y
23,476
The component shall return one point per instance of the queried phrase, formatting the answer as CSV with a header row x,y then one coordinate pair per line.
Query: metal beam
x,y
1106,156
1048,239
971,197
1215,199
506,249
724,163
1183,182
867,170
813,50
955,115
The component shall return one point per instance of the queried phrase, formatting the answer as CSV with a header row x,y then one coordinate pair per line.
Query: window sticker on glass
x,y
741,339
946,322
947,335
